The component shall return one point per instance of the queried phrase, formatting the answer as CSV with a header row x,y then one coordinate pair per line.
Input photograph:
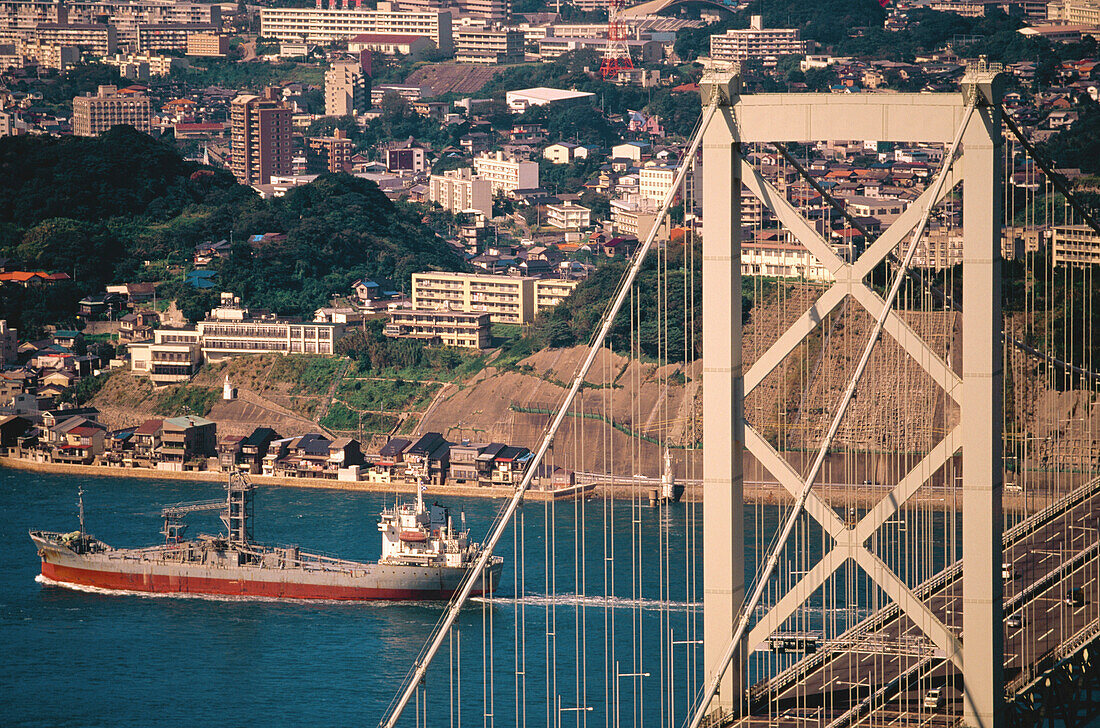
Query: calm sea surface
x,y
532,656
76,658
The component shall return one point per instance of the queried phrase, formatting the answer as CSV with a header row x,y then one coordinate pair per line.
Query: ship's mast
x,y
80,502
237,516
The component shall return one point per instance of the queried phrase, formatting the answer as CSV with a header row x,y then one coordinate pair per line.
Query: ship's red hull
x,y
182,584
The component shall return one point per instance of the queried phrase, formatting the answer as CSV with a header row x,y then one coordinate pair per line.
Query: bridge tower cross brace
x,y
764,118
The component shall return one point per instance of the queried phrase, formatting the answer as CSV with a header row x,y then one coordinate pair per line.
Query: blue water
x,y
76,658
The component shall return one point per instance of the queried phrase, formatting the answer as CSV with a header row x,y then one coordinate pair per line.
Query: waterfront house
x,y
463,460
254,448
385,467
185,440
426,459
146,445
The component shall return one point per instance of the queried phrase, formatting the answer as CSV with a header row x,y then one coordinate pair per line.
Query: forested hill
x,y
99,208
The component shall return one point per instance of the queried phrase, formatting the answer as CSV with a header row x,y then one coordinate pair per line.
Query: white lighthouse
x,y
228,393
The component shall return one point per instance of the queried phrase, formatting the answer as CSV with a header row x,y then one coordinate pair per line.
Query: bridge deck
x,y
881,670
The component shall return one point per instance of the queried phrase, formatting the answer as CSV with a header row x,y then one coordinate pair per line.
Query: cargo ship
x,y
424,557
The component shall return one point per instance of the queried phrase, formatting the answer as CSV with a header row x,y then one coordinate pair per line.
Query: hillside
x,y
96,208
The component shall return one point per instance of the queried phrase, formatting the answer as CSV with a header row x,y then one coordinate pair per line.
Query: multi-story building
x,y
1075,245
346,89
488,47
549,292
568,216
633,219
93,115
506,175
98,39
170,37
232,329
408,157
326,25
260,138
173,356
19,18
143,65
756,42
61,57
450,328
655,179
411,94
492,11
1074,12
458,190
390,44
208,45
337,150
781,260
9,343
507,299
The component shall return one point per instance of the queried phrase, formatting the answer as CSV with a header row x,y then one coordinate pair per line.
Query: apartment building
x,y
260,138
630,218
96,38
568,216
19,18
142,65
169,37
491,11
208,45
346,89
507,299
173,356
406,158
61,57
506,175
655,179
549,292
756,42
450,328
326,25
232,329
390,44
458,190
336,150
93,115
1074,12
488,47
1075,245
781,260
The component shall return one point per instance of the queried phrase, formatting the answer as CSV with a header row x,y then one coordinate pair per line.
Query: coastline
x,y
757,493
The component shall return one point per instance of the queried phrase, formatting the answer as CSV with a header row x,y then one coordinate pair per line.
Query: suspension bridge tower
x,y
969,127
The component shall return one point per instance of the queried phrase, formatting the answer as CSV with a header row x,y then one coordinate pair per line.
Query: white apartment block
x,y
506,175
549,292
756,42
93,115
632,219
781,260
326,25
19,17
232,330
568,216
450,328
173,356
143,65
346,89
1074,12
488,47
458,190
507,299
655,179
1075,245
